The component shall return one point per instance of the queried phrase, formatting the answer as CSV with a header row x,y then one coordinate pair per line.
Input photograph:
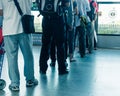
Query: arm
x,y
70,16
1,12
75,9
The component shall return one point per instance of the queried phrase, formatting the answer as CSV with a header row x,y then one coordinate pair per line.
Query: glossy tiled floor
x,y
97,74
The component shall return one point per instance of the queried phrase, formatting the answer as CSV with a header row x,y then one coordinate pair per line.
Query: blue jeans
x,y
12,45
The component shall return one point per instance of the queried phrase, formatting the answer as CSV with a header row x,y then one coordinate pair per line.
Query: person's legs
x,y
71,45
46,42
90,37
59,35
82,40
11,47
25,43
26,48
53,53
75,38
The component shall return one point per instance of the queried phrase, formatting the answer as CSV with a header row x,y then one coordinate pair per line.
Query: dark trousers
x,y
53,51
82,39
52,28
69,46
69,42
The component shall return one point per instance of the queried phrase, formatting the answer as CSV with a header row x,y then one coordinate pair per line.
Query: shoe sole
x,y
31,85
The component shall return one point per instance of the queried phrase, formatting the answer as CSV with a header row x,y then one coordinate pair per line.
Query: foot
x,y
63,72
31,83
2,84
90,52
14,88
66,64
72,60
95,48
82,55
52,64
42,72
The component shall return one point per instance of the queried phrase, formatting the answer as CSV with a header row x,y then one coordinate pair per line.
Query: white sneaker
x,y
14,88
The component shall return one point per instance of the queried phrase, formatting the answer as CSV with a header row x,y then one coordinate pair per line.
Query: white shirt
x,y
11,17
83,6
86,6
86,9
80,11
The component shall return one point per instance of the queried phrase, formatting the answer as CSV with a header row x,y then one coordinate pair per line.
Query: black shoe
x,y
52,64
31,83
66,64
90,52
2,84
72,60
42,72
82,55
95,48
63,72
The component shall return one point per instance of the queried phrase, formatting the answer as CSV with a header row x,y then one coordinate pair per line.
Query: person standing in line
x,y
70,33
75,12
89,28
15,38
68,41
53,54
53,26
80,18
95,5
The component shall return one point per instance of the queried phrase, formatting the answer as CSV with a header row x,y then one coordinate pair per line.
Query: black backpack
x,y
48,8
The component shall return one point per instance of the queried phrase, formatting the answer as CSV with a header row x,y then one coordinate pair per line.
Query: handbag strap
x,y
18,7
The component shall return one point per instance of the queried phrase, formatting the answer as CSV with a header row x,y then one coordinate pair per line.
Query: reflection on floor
x,y
97,74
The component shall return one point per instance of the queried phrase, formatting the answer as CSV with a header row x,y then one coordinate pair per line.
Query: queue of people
x,y
63,21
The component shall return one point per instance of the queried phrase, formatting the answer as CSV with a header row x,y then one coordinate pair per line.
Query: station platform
x,y
97,74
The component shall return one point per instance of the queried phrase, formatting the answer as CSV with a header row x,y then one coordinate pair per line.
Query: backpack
x,y
47,7
92,12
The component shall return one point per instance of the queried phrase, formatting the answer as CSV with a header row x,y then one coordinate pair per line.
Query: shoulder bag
x,y
27,20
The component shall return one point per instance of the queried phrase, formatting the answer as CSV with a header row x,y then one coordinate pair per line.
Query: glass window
x,y
37,21
107,0
109,18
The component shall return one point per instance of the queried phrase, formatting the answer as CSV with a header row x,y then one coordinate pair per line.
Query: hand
x,y
69,27
83,19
